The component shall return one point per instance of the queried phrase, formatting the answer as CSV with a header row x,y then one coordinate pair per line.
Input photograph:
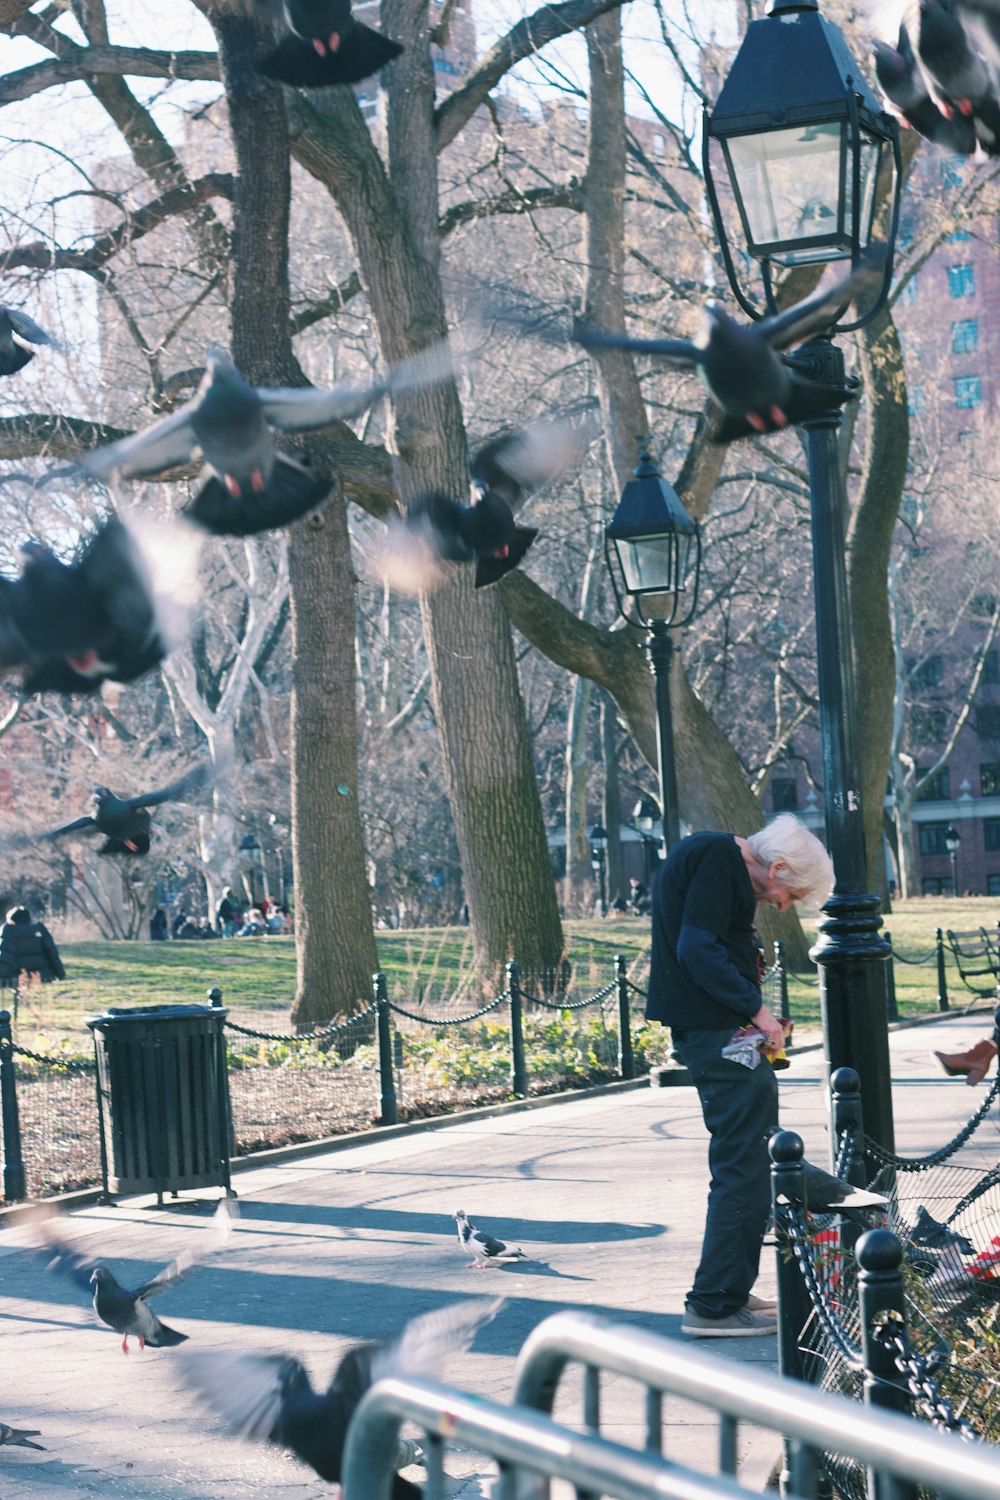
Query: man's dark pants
x,y
738,1105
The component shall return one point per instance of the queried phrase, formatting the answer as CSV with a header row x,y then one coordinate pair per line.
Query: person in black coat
x,y
28,947
158,929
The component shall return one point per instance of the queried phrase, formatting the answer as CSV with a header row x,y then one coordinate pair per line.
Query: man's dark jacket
x,y
28,947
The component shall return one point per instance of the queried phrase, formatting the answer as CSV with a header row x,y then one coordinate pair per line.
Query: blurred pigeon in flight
x,y
116,613
938,64
439,529
907,96
269,1397
326,46
741,365
17,1437
124,821
251,487
126,1311
484,1248
18,333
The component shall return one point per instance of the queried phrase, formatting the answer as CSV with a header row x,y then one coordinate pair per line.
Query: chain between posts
x,y
412,1015
799,1238
924,1163
302,1036
918,1372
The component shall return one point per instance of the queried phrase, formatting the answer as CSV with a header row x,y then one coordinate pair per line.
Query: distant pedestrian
x,y
177,925
704,984
227,912
27,947
158,929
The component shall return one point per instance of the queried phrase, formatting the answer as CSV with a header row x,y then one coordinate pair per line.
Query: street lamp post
x,y
648,544
952,842
805,144
598,863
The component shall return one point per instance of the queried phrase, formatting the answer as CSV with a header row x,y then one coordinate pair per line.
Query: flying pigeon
x,y
124,821
116,613
17,1437
907,97
269,1398
326,46
126,1311
741,365
18,333
438,529
933,1235
485,1249
939,61
251,487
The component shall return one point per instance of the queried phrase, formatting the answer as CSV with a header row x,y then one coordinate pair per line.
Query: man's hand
x,y
771,1028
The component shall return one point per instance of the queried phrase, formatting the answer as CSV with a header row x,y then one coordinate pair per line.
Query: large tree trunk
x,y
334,942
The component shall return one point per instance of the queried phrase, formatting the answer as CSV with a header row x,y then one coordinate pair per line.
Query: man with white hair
x,y
704,984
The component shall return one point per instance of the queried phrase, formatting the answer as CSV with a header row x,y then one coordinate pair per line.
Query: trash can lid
x,y
118,1014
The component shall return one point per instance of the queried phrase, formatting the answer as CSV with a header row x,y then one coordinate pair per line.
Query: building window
x,y
927,674
991,835
989,778
988,722
659,144
965,336
951,171
928,725
993,885
962,281
784,794
937,885
968,390
938,787
991,667
932,837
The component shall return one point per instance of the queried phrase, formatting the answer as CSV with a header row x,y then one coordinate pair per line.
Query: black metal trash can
x,y
161,1073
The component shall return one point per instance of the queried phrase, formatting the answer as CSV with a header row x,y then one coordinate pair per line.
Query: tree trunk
x,y
617,884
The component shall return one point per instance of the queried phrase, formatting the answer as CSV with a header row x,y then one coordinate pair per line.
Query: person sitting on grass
x,y
27,947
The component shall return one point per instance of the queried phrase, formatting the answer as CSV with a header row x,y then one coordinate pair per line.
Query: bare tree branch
x,y
94,62
569,195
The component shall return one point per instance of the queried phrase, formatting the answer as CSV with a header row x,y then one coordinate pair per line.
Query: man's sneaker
x,y
742,1324
761,1304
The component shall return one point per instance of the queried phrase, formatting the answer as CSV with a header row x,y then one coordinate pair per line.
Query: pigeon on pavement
x,y
116,613
438,529
326,46
741,364
486,1250
17,1437
121,1309
269,1398
124,821
18,333
250,486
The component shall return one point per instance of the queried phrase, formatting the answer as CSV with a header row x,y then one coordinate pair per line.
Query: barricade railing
x,y
901,1456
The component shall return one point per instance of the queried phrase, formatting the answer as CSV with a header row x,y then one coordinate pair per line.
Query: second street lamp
x,y
651,538
645,815
952,842
598,863
804,142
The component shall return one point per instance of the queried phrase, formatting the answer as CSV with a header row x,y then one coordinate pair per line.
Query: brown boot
x,y
974,1063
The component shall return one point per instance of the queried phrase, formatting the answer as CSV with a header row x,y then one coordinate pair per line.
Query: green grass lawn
x,y
423,965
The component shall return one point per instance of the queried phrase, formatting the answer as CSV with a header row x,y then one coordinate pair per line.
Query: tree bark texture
x,y
335,946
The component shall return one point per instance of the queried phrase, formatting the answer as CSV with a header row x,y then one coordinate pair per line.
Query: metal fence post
x,y
996,1020
227,1130
626,1058
782,973
788,1186
882,1304
389,1114
942,994
845,1115
14,1184
891,1005
518,1072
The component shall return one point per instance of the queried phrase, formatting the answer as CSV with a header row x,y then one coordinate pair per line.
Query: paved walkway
x,y
605,1193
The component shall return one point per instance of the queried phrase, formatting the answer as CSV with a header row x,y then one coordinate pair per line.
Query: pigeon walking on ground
x,y
484,1248
115,613
17,1437
741,364
269,1398
121,1309
124,821
18,335
251,487
438,529
326,46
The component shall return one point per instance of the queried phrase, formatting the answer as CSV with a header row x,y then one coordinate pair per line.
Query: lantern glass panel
x,y
789,186
651,563
869,157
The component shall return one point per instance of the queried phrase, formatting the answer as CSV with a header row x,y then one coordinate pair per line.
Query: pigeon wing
x,y
27,328
247,1390
222,1222
677,353
175,791
818,312
426,1342
65,1259
17,1437
165,445
78,825
306,407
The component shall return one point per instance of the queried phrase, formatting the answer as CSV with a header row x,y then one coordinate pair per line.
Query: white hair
x,y
806,868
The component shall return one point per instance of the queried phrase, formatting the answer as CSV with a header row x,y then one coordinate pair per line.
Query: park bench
x,y
977,957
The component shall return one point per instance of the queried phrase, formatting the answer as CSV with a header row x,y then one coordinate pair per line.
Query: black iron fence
x,y
387,1063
